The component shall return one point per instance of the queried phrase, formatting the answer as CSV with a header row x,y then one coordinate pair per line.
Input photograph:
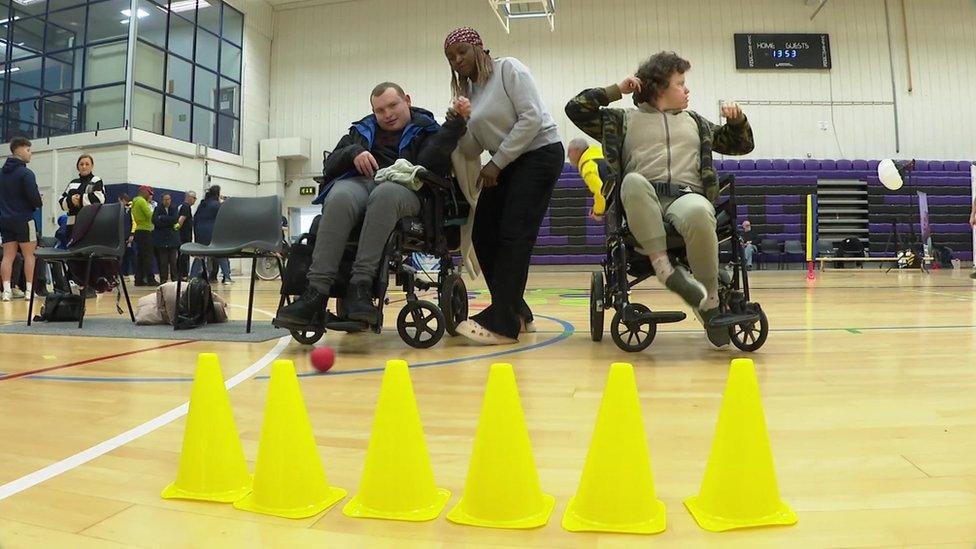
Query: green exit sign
x,y
308,191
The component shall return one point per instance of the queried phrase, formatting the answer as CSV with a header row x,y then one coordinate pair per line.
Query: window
x,y
208,16
108,20
177,120
152,23
105,64
63,68
104,108
205,88
179,78
207,49
233,29
65,29
230,61
28,36
149,66
147,110
180,36
203,126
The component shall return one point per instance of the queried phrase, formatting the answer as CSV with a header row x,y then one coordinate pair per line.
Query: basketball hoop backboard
x,y
508,10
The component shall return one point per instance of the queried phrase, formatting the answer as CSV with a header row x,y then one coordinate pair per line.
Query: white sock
x,y
29,288
663,268
6,286
710,302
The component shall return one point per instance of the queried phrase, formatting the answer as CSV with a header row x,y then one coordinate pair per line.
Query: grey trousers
x,y
353,200
692,215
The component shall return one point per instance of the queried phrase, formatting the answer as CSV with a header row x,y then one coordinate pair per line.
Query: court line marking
x,y
15,375
567,331
46,473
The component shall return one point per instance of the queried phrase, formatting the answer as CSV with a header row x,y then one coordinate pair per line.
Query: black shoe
x,y
41,291
303,312
359,304
88,293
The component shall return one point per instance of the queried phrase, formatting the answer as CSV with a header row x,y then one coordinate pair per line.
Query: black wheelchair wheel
x,y
420,324
307,337
453,300
750,336
636,337
596,306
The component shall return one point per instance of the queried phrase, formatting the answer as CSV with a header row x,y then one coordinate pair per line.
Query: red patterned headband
x,y
463,35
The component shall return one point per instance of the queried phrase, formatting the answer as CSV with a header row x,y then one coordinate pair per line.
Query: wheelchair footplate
x,y
336,324
642,316
725,320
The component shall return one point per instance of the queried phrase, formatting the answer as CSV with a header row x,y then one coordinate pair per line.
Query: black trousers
x,y
506,225
144,257
166,260
184,262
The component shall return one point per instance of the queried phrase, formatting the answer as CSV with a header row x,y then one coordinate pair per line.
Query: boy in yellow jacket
x,y
588,159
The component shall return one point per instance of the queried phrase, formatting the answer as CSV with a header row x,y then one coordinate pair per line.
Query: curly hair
x,y
655,74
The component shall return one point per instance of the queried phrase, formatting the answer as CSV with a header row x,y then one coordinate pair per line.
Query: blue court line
x,y
568,330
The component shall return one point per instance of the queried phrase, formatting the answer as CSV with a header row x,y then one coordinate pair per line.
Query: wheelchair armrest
x,y
434,180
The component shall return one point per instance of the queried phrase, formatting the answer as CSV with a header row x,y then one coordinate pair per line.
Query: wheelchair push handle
x,y
434,180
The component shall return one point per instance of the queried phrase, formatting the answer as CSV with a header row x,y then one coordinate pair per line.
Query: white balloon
x,y
889,176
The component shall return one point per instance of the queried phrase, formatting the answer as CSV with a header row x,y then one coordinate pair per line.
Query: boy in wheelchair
x,y
351,198
661,156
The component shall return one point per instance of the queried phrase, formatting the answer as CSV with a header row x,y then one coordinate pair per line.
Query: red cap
x,y
147,189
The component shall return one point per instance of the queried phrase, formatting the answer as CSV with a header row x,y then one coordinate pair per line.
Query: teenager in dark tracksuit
x,y
19,197
509,119
395,130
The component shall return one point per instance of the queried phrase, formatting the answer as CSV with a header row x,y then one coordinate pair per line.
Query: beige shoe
x,y
479,334
527,327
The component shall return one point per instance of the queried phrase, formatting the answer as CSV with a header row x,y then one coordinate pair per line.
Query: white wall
x,y
327,57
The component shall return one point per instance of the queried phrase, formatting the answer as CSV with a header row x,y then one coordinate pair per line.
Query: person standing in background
x,y
84,190
166,238
186,231
142,222
19,198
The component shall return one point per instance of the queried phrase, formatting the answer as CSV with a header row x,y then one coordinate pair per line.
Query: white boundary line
x,y
33,479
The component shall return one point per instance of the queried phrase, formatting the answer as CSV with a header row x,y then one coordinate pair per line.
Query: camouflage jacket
x,y
589,112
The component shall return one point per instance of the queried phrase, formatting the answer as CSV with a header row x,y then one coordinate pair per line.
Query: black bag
x,y
195,306
294,281
62,307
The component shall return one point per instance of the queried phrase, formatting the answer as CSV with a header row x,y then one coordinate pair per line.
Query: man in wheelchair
x,y
350,196
661,155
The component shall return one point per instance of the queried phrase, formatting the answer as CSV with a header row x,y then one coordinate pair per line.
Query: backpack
x,y
196,305
62,307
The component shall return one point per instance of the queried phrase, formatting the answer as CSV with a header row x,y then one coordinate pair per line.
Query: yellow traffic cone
x,y
502,489
212,466
289,480
397,482
739,489
616,491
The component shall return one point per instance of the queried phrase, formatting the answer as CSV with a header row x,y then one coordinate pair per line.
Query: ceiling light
x,y
139,12
187,5
16,17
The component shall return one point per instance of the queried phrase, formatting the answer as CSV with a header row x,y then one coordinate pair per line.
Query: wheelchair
x,y
436,231
634,325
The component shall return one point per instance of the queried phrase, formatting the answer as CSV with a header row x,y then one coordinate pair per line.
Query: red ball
x,y
323,358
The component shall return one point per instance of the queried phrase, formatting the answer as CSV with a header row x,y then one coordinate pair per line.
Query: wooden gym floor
x,y
868,384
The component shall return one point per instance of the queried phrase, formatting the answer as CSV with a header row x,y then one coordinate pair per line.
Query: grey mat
x,y
121,327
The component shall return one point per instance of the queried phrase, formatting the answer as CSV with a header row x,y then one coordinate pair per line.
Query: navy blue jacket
x,y
424,142
164,235
19,196
203,220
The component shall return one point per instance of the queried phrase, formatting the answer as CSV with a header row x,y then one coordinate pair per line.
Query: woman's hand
x,y
629,85
488,177
462,106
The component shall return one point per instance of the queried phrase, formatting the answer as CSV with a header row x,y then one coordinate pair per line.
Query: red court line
x,y
16,375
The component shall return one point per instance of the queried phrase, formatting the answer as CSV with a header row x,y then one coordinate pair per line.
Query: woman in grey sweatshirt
x,y
506,117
